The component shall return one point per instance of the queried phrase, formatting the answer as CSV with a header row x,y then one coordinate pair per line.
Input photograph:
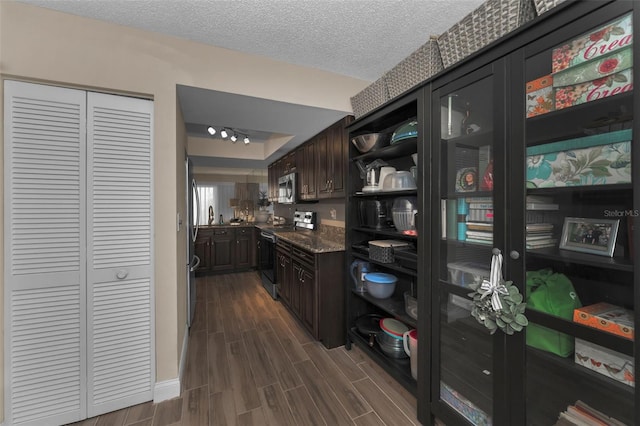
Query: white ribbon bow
x,y
494,287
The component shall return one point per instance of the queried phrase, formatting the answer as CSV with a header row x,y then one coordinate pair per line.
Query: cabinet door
x,y
223,248
202,248
308,297
467,359
339,149
575,233
306,166
244,248
323,165
283,274
296,288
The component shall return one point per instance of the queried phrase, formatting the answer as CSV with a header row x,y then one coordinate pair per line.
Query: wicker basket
x,y
543,6
414,69
492,20
370,98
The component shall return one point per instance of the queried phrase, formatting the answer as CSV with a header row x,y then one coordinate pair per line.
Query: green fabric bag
x,y
552,293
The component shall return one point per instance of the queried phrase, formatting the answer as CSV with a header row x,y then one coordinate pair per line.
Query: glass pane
x,y
466,240
579,209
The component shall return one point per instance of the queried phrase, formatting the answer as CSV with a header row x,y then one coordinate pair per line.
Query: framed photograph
x,y
595,236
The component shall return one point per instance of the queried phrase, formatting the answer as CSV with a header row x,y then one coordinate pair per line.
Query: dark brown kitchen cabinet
x,y
245,254
332,149
272,181
225,249
288,164
283,271
202,248
222,250
306,166
310,286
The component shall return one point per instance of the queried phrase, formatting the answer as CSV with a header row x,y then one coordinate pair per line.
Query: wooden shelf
x,y
557,255
393,266
387,232
563,190
377,194
399,149
399,369
393,306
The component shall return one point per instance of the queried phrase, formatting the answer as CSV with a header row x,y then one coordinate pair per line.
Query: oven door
x,y
266,263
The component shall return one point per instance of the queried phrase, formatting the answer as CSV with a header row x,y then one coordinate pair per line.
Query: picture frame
x,y
586,235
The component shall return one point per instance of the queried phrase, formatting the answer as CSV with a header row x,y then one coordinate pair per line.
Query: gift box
x,y
602,41
540,96
605,361
607,317
606,76
602,159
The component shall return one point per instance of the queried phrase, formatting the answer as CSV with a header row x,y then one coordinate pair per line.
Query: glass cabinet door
x,y
469,153
579,212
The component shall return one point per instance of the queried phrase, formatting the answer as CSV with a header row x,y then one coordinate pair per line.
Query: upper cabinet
x,y
319,162
333,149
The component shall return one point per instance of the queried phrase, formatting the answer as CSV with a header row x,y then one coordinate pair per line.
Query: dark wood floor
x,y
249,362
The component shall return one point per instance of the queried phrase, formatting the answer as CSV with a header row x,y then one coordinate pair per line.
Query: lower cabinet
x,y
225,249
310,286
283,271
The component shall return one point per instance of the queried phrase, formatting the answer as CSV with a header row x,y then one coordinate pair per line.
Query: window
x,y
217,196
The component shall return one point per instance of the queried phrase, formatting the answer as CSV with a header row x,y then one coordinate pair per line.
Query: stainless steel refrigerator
x,y
193,207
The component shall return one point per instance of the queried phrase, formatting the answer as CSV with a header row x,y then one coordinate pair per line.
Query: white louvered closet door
x,y
120,298
44,233
79,335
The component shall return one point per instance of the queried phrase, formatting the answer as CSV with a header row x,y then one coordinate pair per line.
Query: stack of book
x,y
539,235
479,220
581,414
540,202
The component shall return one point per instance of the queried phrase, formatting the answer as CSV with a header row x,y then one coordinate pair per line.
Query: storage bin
x,y
543,6
370,98
549,165
492,20
382,250
465,273
602,360
414,69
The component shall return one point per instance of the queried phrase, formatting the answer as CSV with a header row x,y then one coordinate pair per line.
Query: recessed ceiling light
x,y
211,130
224,133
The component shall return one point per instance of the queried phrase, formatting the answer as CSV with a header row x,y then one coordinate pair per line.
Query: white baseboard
x,y
167,389
170,389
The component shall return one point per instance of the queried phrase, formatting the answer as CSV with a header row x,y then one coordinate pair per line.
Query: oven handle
x,y
267,236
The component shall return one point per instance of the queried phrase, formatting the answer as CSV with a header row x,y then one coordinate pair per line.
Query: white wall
x,y
37,44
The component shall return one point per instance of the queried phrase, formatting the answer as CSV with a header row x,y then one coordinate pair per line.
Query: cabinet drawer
x,y
222,232
304,257
283,246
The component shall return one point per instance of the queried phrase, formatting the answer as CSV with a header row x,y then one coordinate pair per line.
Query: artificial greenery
x,y
263,200
509,318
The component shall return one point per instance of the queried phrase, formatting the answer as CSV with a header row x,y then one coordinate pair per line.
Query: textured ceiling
x,y
357,38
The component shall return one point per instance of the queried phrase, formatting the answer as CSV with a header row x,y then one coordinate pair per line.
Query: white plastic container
x,y
465,273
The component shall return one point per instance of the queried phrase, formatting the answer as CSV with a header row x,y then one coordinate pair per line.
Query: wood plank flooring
x,y
250,363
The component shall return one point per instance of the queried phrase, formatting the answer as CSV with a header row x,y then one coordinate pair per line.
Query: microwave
x,y
287,189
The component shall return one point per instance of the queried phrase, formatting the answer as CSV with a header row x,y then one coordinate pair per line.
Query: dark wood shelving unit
x,y
557,255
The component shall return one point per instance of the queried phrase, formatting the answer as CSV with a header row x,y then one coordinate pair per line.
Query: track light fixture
x,y
225,132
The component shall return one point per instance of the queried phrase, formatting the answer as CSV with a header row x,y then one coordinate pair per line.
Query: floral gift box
x,y
613,36
540,97
603,159
606,76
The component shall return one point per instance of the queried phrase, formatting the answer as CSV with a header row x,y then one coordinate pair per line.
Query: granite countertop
x,y
312,241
